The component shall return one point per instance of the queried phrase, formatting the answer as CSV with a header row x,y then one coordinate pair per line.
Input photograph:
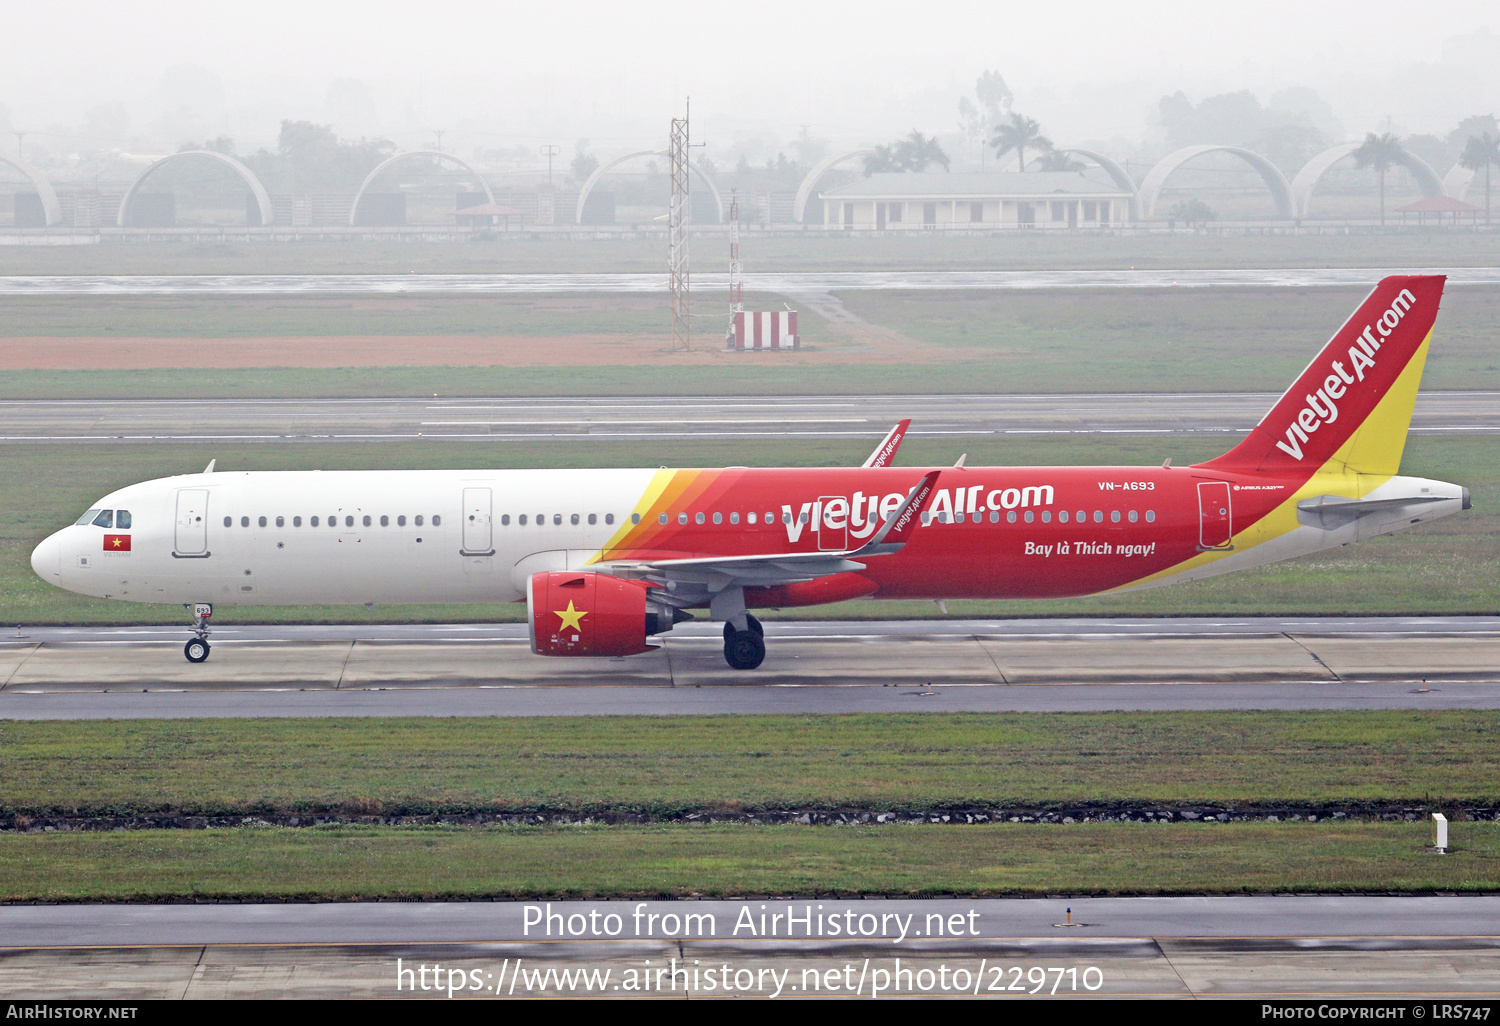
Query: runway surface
x,y
1267,917
1270,947
781,282
811,667
1227,414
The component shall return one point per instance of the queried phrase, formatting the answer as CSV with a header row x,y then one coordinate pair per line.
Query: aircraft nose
x,y
46,558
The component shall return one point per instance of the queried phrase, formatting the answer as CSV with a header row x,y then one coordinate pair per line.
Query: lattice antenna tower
x,y
736,285
677,216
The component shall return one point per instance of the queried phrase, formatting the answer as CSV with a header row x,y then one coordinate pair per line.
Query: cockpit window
x,y
122,519
87,518
106,518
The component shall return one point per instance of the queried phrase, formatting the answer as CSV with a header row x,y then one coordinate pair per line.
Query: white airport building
x,y
1036,199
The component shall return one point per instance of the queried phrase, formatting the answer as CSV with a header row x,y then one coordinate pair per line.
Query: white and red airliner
x,y
605,559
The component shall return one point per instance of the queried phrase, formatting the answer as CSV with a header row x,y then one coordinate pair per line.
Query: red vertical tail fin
x,y
1352,405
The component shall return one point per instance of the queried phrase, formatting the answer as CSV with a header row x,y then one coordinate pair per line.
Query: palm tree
x,y
883,158
1379,152
1482,150
913,153
1021,134
1058,160
916,152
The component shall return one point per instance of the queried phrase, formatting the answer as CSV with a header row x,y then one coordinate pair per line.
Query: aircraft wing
x,y
790,567
885,453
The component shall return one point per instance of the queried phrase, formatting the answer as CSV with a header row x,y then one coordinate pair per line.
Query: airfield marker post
x,y
1440,834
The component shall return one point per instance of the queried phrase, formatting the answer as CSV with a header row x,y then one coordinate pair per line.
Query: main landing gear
x,y
745,650
197,648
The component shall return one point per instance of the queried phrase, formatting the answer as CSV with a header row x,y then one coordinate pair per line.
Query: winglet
x,y
885,453
899,525
210,468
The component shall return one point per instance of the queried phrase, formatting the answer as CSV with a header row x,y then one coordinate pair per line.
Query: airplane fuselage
x,y
385,537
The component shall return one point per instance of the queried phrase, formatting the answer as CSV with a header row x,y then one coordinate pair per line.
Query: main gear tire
x,y
743,650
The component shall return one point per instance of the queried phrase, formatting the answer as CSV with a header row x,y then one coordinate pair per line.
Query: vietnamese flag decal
x,y
117,543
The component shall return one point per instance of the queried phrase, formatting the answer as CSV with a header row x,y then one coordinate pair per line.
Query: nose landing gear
x,y
197,648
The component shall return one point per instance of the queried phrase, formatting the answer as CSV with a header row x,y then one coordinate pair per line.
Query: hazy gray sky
x,y
499,74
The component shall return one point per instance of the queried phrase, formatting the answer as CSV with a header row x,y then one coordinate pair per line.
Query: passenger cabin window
x,y
333,521
437,521
698,519
662,519
734,518
1150,516
520,520
635,518
682,518
609,518
262,521
366,521
593,518
401,520
88,518
504,520
244,521
718,518
313,521
574,519
281,521
556,520
348,520
229,521
385,521
296,521
106,518
749,518
418,520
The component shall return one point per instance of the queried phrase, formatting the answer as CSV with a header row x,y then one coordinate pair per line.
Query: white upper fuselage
x,y
381,537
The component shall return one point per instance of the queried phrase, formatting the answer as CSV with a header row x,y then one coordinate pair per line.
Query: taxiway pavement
x,y
1226,414
787,282
828,667
1183,947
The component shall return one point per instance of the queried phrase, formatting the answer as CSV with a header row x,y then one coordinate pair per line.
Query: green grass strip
x,y
668,765
651,861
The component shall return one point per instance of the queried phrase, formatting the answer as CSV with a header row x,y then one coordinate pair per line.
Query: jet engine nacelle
x,y
591,614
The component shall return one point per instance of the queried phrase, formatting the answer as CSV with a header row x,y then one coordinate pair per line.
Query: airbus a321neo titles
x,y
608,559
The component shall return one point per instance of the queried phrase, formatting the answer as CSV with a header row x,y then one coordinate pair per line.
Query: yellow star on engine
x,y
571,617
